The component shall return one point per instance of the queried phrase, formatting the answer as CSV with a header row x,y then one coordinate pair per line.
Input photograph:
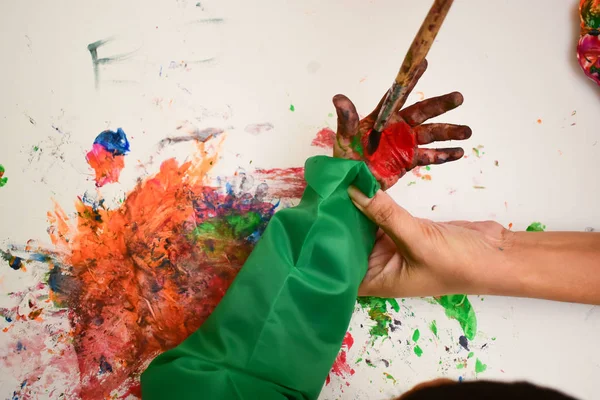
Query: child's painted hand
x,y
398,150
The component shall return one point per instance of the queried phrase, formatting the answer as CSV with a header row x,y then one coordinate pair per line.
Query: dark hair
x,y
486,390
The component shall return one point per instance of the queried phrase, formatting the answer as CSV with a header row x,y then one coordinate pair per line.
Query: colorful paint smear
x,y
377,310
107,157
390,377
3,179
284,182
138,279
341,367
536,227
459,307
588,49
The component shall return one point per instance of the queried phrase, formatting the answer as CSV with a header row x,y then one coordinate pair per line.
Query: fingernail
x,y
358,197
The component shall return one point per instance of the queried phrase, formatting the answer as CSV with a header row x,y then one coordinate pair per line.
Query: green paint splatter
x,y
369,363
330,115
471,354
358,360
416,335
3,181
35,148
493,338
229,226
479,366
460,366
536,227
412,183
418,351
389,376
433,328
377,309
459,307
292,108
427,168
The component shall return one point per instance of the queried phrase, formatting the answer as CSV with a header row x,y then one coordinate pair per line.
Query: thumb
x,y
385,212
347,125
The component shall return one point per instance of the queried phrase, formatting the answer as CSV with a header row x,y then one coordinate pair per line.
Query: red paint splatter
x,y
395,152
325,138
107,165
341,367
284,182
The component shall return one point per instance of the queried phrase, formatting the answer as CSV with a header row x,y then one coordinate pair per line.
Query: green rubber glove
x,y
280,326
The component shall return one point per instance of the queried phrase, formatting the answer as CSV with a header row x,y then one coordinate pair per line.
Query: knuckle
x,y
383,212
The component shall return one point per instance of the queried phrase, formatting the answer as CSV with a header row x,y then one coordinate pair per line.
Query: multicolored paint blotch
x,y
3,179
137,280
459,307
341,367
107,157
588,49
377,310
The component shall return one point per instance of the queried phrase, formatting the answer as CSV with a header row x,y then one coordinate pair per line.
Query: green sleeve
x,y
279,328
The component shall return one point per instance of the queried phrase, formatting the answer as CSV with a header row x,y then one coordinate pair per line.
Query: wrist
x,y
496,269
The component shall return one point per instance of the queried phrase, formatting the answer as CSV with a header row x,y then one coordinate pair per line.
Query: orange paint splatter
x,y
105,164
539,121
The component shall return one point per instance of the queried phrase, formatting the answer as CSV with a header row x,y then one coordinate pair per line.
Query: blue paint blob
x,y
24,383
460,379
39,257
20,347
104,365
8,319
16,263
115,142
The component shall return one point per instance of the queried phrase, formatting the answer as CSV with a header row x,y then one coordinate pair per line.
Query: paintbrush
x,y
397,94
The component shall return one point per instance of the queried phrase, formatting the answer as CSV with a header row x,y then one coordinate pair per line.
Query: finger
x,y
430,108
383,211
347,116
417,74
430,133
437,156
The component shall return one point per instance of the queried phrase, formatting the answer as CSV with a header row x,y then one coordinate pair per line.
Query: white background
x,y
514,62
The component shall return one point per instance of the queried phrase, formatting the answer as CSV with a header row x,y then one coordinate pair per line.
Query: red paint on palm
x,y
395,153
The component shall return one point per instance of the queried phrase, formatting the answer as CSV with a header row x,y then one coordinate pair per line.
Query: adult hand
x,y
415,257
398,150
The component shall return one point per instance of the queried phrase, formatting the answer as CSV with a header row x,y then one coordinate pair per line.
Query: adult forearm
x,y
563,266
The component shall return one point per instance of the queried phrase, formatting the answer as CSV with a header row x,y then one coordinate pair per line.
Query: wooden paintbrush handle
x,y
414,57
